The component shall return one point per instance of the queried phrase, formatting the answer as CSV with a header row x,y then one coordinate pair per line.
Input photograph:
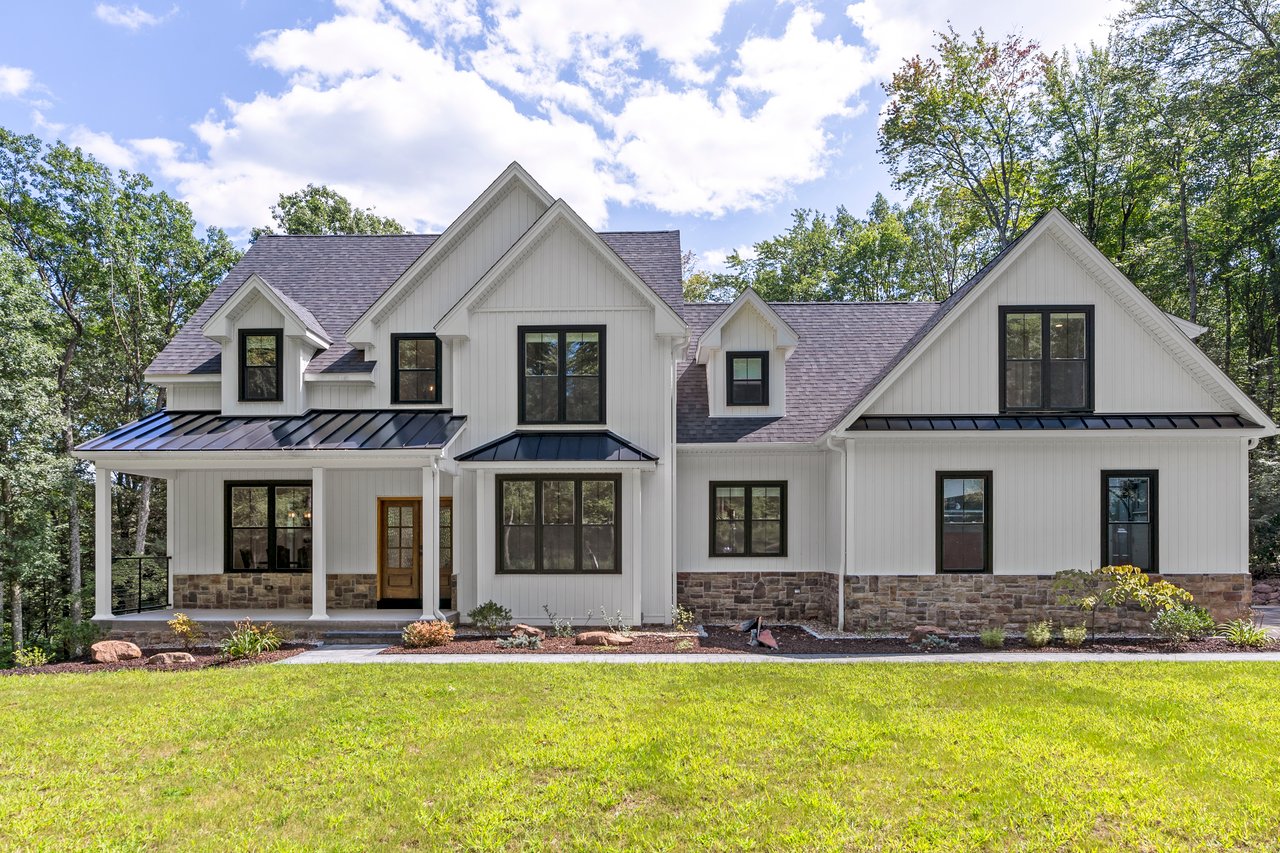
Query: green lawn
x,y
1142,756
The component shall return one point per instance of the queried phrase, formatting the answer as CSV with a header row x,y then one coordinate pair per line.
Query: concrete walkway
x,y
369,654
1270,617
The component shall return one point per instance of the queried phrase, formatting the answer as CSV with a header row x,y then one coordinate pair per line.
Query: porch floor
x,y
278,615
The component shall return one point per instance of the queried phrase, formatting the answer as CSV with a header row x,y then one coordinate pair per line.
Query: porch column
x,y
319,527
102,543
431,541
633,541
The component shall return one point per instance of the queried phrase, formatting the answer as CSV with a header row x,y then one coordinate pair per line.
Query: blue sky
x,y
717,117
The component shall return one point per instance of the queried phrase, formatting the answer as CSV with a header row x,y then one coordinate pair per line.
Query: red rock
x,y
602,638
522,630
919,632
170,658
114,651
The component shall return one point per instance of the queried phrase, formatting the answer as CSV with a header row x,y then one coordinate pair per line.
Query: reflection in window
x,y
748,519
1046,359
561,376
260,351
416,376
268,527
964,522
748,378
1129,505
558,524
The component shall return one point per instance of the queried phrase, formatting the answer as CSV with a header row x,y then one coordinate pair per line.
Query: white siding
x,y
960,372
747,331
260,314
193,396
809,547
1047,501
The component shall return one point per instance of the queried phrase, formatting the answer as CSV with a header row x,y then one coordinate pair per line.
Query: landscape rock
x,y
602,638
170,658
919,632
114,651
522,630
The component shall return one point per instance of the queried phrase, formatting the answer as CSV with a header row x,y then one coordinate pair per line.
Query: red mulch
x,y
793,640
204,659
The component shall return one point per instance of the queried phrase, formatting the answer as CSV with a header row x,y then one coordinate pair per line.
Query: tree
x,y
969,123
321,210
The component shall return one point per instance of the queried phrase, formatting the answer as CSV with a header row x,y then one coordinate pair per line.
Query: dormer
x,y
745,352
267,339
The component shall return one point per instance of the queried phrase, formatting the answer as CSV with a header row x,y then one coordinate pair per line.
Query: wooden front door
x,y
446,553
400,548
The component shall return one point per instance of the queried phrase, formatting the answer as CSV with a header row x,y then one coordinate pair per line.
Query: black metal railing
x,y
139,582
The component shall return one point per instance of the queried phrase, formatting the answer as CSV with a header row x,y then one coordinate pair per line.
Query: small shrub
x,y
490,617
992,638
31,656
426,634
935,643
559,627
186,629
1040,634
617,623
1183,623
522,641
248,640
684,645
1244,633
682,618
72,637
1073,636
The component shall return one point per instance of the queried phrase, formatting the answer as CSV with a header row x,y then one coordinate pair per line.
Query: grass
x,y
1140,756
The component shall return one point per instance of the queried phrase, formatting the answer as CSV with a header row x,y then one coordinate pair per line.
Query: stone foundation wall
x,y
969,603
270,591
722,597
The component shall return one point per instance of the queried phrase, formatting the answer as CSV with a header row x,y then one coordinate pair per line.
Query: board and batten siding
x,y
806,473
1047,501
960,372
261,314
193,396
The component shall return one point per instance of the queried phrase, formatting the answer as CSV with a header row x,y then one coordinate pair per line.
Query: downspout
x,y
842,449
672,423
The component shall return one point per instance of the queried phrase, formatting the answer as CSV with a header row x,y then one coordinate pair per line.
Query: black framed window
x,y
748,374
561,374
964,521
1046,356
261,359
556,524
268,526
416,366
1129,518
748,519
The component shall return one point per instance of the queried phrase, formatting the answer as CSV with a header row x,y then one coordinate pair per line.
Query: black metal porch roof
x,y
547,446
971,423
315,429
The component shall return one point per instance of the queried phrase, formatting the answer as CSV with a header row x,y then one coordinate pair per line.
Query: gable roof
x,y
709,340
299,321
842,348
337,278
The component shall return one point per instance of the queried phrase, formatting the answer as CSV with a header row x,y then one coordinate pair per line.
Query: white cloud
x,y
15,82
715,260
132,18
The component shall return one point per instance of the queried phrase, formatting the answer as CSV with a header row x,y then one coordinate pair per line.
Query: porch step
x,y
380,637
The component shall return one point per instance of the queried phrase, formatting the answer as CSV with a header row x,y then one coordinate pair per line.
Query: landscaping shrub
x,y
1074,636
523,641
1040,634
31,656
935,643
1183,623
617,623
992,638
559,627
72,638
682,618
1244,633
186,629
490,617
248,640
1115,586
425,634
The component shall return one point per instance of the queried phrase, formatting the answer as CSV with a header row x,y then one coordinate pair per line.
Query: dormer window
x,y
415,369
261,358
1046,354
748,374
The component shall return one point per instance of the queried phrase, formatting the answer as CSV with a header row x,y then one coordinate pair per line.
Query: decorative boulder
x,y
170,659
919,632
114,651
602,638
521,630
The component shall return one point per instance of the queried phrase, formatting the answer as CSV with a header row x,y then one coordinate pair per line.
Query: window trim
x,y
748,485
1045,311
729,358
562,401
278,334
537,480
988,521
228,560
395,367
1153,476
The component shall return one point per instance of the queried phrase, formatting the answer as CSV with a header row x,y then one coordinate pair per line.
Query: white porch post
x,y
633,541
431,541
319,527
102,543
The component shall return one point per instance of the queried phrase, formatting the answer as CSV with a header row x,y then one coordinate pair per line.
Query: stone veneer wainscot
x,y
271,590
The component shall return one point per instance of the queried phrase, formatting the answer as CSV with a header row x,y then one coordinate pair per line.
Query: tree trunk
x,y
18,637
76,582
1188,254
144,516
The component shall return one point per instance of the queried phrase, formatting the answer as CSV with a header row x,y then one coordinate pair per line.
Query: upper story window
x,y
561,375
415,372
748,374
261,359
1047,358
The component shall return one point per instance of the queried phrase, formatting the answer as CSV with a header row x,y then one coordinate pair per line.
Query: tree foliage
x,y
320,210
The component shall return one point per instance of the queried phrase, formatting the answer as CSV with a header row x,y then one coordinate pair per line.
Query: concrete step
x,y
361,638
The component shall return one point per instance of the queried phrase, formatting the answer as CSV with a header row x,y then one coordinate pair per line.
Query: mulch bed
x,y
204,659
794,640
